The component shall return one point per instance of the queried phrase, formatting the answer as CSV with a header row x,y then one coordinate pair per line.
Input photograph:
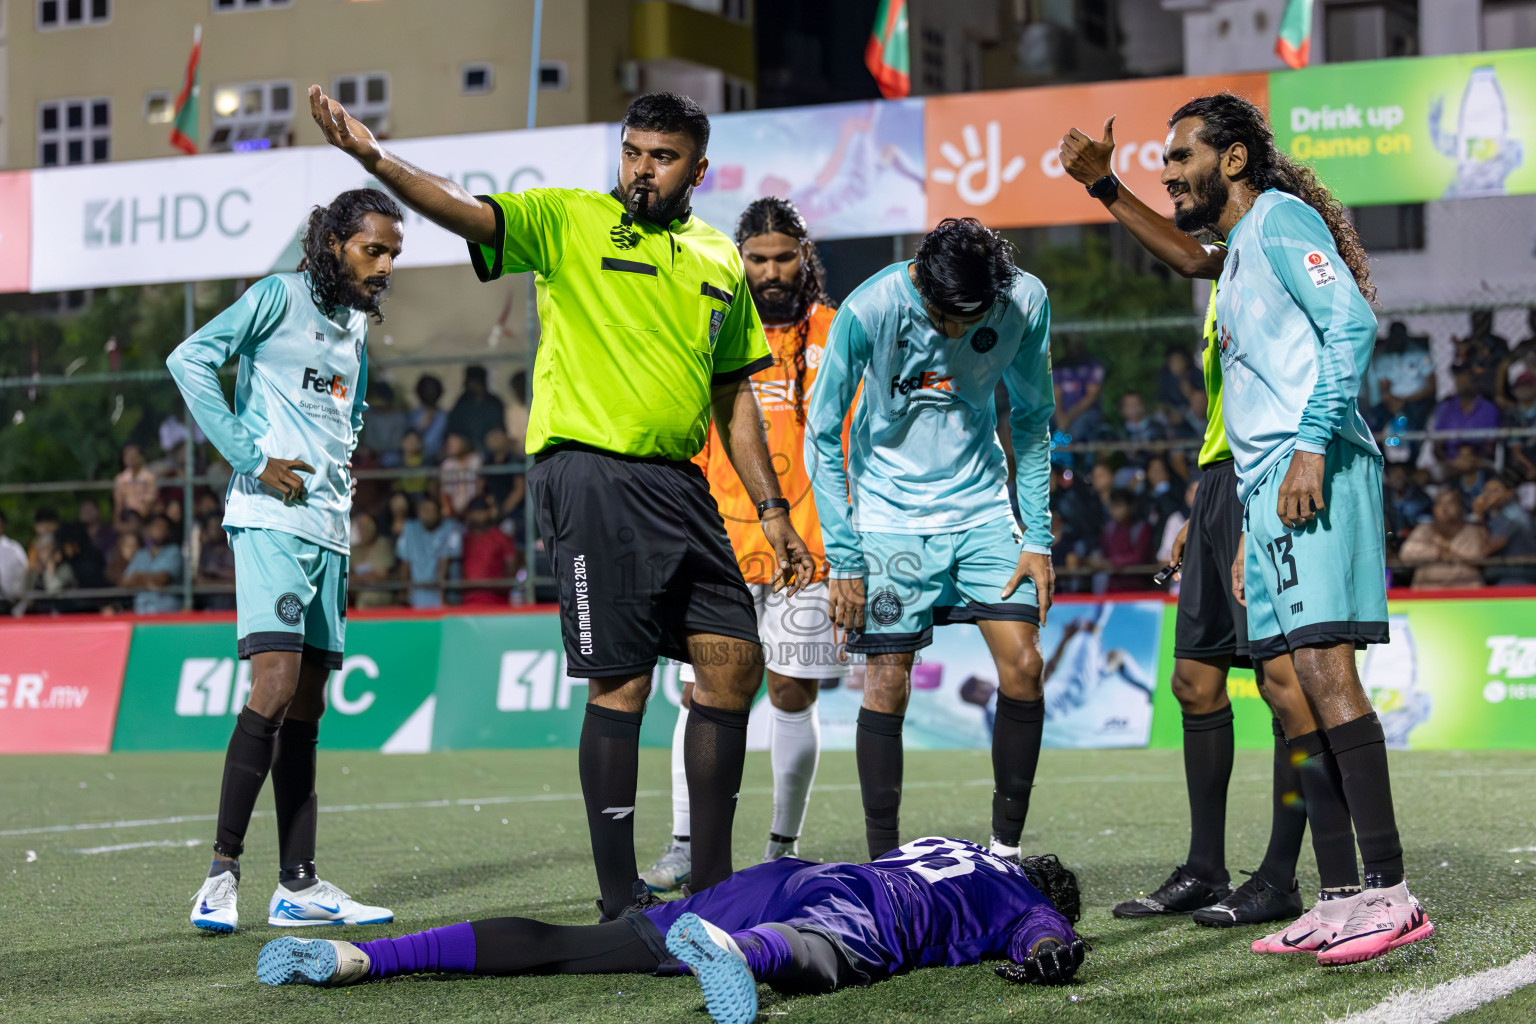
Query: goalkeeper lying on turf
x,y
795,925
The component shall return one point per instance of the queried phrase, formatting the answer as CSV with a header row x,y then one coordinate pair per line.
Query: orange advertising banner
x,y
993,155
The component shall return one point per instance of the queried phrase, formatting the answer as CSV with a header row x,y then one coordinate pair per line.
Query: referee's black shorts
x,y
640,556
1211,625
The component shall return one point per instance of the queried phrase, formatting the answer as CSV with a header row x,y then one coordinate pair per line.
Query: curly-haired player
x,y
302,343
794,925
918,528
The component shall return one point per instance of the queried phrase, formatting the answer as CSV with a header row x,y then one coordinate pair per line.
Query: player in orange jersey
x,y
800,645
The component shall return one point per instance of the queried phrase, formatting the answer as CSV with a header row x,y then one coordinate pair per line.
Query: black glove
x,y
1050,964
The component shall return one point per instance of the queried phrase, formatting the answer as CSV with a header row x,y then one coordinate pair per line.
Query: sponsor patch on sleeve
x,y
1319,268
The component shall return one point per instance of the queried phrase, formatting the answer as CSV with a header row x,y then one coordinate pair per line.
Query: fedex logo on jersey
x,y
927,380
335,386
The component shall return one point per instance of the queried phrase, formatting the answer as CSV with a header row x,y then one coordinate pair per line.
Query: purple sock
x,y
767,951
436,949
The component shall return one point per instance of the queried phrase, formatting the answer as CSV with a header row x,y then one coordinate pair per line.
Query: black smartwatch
x,y
1106,188
767,504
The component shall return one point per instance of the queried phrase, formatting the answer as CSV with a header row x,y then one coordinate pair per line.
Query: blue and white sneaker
x,y
321,903
730,990
310,962
213,908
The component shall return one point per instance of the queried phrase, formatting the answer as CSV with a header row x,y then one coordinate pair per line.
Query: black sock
x,y
1288,818
293,789
516,945
1361,750
246,764
609,763
878,752
1015,754
714,751
1333,837
815,964
1208,747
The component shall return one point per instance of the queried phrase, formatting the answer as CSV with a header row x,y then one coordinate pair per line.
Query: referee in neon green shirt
x,y
648,329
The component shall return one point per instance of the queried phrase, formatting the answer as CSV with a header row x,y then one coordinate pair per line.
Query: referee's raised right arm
x,y
436,198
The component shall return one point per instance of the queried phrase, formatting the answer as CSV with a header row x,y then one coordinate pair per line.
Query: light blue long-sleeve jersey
x,y
923,451
1295,335
298,395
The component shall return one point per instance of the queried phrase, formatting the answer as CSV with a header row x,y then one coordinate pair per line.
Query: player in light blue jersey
x,y
1295,330
919,524
301,340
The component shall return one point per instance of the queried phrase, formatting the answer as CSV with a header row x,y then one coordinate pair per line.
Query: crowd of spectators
x,y
448,506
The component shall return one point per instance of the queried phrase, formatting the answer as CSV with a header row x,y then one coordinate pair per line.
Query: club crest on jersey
x,y
716,321
357,350
1319,268
983,340
885,608
288,609
623,237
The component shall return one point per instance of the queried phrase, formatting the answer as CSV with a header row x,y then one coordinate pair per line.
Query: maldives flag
x,y
184,127
886,53
1294,43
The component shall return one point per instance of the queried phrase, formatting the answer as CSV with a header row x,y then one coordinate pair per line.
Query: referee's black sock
x,y
609,762
246,764
1288,822
878,752
293,788
1361,750
1208,752
1015,755
1333,837
714,752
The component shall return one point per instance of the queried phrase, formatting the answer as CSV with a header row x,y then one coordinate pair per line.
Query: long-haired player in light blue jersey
x,y
918,529
302,343
1295,329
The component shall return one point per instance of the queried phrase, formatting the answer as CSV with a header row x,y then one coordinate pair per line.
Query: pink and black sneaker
x,y
1381,921
1312,930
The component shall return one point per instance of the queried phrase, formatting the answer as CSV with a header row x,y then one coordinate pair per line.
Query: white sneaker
x,y
1003,851
321,903
213,908
288,961
775,849
671,869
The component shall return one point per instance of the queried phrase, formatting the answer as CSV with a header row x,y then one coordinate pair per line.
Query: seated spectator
x,y
1445,550
399,513
135,487
477,411
48,572
218,474
86,564
1165,493
1127,541
215,564
1521,359
384,425
155,570
412,456
428,546
175,511
1400,383
1482,352
1074,500
372,561
1172,525
128,545
1465,410
459,476
1522,414
505,489
1179,382
489,554
517,413
1078,380
1069,552
101,535
1467,470
13,567
45,523
429,422
1510,534
1404,503
1136,425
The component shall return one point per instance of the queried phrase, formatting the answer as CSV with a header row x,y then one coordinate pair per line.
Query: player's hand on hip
x,y
1086,160
1038,568
282,475
341,129
795,564
1177,555
1301,492
845,603
1239,572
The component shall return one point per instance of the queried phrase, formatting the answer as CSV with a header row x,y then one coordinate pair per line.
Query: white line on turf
x,y
536,798
178,843
1447,1000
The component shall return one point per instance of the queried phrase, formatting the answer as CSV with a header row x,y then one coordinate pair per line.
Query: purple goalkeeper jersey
x,y
934,901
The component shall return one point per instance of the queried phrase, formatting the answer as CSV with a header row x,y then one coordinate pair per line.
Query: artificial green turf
x,y
106,938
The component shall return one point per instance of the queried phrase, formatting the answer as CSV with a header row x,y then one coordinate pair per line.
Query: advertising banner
x,y
994,155
240,214
1408,131
853,169
59,686
15,230
184,686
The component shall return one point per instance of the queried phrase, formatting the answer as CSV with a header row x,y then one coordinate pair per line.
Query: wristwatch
x,y
1106,188
767,504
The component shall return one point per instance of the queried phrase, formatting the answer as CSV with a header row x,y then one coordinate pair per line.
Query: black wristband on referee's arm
x,y
768,504
1106,189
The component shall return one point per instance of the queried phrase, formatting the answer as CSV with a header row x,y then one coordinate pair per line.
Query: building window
x,y
159,107
735,10
933,60
252,115
249,5
74,132
552,75
366,97
476,78
1509,25
1390,228
1371,31
738,95
71,13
